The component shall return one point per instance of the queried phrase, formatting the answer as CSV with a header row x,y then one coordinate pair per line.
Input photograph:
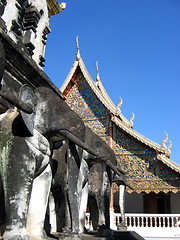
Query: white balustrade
x,y
143,220
150,220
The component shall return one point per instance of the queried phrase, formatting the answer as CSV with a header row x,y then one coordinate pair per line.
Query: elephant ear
x,y
28,96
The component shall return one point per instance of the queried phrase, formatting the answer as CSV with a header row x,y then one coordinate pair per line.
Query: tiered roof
x,y
162,151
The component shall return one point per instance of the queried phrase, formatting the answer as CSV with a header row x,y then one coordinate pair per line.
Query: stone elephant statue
x,y
98,181
27,138
95,173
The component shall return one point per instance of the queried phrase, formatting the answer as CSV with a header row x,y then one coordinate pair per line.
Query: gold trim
x,y
54,7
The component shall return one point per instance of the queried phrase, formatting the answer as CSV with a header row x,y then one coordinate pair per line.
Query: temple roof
x,y
163,152
54,7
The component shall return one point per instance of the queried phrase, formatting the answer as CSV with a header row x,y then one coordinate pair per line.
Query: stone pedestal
x,y
105,234
121,227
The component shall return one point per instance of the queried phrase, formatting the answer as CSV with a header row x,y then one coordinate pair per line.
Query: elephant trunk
x,y
66,133
78,142
8,96
118,171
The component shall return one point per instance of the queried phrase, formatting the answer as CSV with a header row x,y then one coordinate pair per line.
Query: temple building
x,y
149,170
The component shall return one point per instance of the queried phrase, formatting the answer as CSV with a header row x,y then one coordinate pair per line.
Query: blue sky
x,y
137,45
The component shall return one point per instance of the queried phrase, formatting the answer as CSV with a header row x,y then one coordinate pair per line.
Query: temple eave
x,y
53,7
146,190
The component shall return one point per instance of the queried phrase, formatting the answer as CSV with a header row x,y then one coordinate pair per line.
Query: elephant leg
x,y
67,220
52,214
17,186
73,195
94,213
100,198
38,205
122,188
83,193
101,209
83,207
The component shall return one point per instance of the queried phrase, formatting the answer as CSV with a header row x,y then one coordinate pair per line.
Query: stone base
x,y
122,228
126,235
70,236
105,234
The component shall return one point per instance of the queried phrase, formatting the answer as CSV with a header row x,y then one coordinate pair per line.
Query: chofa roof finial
x,y
97,72
132,119
165,140
78,56
168,151
120,103
118,107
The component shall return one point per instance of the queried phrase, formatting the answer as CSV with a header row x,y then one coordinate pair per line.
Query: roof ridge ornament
x,y
165,140
118,107
120,103
62,5
97,74
78,55
168,151
132,119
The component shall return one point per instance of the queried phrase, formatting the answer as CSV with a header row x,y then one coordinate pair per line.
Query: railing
x,y
145,220
149,220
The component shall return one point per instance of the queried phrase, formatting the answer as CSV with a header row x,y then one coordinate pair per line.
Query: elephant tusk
x,y
8,96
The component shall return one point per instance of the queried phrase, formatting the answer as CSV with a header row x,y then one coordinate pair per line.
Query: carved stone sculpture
x,y
99,179
95,172
26,144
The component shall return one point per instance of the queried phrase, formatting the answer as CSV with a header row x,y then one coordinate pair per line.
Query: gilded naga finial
x,y
78,56
132,119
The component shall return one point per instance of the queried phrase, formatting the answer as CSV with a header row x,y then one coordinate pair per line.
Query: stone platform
x,y
111,235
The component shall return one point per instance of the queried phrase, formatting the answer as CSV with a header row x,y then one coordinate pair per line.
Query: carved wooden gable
x,y
84,102
137,156
144,171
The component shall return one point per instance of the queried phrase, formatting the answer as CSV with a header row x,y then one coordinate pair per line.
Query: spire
x,y
78,56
